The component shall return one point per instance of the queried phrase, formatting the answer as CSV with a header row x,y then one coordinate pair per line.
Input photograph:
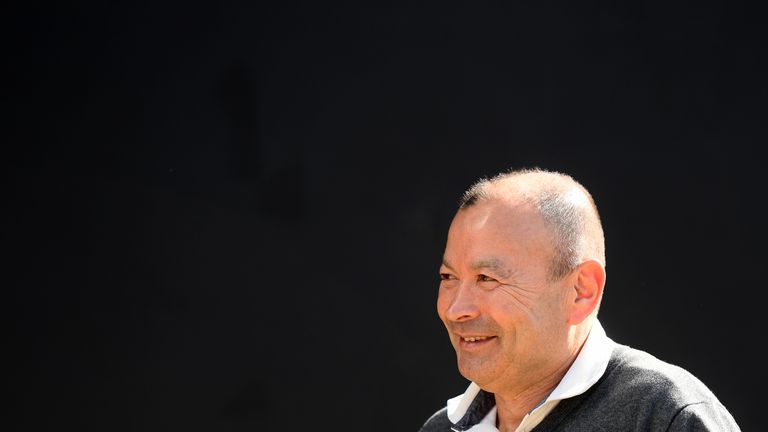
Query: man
x,y
521,283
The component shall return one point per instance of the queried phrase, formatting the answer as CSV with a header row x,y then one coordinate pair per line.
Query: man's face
x,y
505,319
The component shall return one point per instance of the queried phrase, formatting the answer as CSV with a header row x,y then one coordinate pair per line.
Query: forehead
x,y
511,234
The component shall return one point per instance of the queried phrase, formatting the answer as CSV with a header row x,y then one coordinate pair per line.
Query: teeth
x,y
474,339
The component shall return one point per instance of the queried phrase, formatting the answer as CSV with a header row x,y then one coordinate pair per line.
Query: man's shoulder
x,y
639,392
438,422
640,389
642,373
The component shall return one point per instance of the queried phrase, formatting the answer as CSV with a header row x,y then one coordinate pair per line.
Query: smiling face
x,y
506,320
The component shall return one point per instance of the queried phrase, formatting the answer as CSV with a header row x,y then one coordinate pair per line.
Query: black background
x,y
229,216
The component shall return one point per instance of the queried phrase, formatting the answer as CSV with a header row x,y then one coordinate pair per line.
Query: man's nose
x,y
463,306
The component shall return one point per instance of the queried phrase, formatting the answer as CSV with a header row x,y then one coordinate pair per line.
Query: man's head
x,y
522,277
566,206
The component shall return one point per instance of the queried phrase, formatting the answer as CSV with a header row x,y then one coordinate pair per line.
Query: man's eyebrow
x,y
493,264
447,264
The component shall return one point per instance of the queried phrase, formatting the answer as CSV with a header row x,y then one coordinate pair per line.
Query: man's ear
x,y
587,291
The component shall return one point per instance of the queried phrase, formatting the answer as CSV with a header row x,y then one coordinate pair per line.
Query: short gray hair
x,y
576,228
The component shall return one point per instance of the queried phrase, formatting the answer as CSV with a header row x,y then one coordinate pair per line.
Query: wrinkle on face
x,y
523,297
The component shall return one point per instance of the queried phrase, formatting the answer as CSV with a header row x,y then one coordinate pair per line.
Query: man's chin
x,y
476,371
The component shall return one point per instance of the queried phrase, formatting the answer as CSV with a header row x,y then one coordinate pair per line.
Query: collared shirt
x,y
464,410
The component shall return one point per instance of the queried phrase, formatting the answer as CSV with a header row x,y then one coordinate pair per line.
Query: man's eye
x,y
446,276
484,278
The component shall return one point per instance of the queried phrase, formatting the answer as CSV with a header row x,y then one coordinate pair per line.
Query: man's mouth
x,y
475,338
472,343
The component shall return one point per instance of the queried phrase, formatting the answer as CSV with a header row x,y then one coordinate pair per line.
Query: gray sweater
x,y
637,392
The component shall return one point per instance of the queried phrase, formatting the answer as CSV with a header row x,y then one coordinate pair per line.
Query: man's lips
x,y
475,338
474,341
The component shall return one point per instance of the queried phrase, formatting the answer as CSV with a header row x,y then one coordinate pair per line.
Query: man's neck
x,y
512,408
515,403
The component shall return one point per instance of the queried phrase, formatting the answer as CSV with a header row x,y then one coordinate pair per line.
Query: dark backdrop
x,y
229,216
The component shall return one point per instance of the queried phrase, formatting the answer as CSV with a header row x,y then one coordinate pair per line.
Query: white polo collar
x,y
588,367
